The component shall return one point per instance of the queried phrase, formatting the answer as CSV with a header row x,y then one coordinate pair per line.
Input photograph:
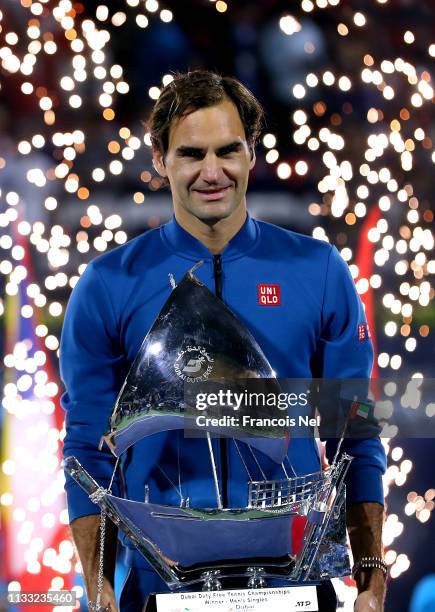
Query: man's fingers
x,y
108,599
106,605
110,604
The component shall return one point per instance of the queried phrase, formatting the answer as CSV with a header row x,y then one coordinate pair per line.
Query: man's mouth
x,y
215,193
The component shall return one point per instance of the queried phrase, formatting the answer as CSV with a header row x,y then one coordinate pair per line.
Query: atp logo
x,y
363,332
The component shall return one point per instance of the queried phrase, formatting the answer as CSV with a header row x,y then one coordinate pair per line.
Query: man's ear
x,y
159,163
253,159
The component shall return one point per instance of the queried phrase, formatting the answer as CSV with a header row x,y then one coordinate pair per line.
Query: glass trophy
x,y
196,338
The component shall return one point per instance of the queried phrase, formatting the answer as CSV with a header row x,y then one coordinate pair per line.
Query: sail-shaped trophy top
x,y
194,338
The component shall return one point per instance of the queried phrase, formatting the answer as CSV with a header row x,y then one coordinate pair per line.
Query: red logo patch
x,y
363,332
269,295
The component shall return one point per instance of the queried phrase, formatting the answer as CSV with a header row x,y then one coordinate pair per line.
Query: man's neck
x,y
213,236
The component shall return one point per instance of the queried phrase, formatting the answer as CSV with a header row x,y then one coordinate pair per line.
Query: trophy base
x,y
311,598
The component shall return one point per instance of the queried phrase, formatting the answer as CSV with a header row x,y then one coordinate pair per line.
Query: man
x,y
204,128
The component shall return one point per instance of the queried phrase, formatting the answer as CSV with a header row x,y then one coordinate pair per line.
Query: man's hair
x,y
190,91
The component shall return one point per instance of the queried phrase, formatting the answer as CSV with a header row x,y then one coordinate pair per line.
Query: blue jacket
x,y
311,332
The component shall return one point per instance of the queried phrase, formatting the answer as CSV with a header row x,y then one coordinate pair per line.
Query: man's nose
x,y
211,169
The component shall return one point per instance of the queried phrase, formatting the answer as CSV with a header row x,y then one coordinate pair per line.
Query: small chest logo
x,y
363,332
359,409
269,295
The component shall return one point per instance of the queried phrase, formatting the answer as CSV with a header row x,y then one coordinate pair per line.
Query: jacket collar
x,y
187,246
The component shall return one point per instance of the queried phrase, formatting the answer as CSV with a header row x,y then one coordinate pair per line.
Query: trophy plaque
x,y
201,552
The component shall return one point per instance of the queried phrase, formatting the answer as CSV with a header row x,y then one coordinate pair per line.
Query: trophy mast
x,y
215,476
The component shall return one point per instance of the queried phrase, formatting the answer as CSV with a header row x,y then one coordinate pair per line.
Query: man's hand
x,y
86,535
367,602
364,522
108,598
371,588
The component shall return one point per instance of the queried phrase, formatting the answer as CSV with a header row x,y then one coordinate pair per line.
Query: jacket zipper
x,y
217,272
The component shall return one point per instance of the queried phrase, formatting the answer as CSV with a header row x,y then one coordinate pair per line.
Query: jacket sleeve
x,y
92,368
345,351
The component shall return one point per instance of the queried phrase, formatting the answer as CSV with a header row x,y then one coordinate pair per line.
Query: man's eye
x,y
191,154
229,152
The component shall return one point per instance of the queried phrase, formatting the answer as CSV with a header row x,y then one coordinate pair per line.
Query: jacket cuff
x,y
364,485
78,502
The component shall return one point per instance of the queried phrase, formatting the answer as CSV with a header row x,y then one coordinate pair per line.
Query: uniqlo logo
x,y
269,295
363,331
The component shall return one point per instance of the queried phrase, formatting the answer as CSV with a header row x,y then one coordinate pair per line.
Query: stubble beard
x,y
213,212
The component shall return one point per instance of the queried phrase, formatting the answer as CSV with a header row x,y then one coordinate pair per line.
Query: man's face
x,y
207,163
